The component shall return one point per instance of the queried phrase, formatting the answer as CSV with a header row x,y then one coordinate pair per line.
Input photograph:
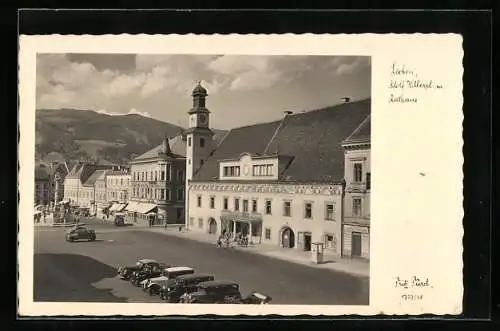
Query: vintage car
x,y
150,271
256,298
155,283
215,291
80,232
171,291
125,272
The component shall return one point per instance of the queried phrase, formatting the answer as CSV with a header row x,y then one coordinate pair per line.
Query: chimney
x,y
165,148
346,99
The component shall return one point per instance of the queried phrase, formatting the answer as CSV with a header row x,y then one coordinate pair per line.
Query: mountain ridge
x,y
70,134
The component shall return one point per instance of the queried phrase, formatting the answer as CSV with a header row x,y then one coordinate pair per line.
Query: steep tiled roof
x,y
94,177
313,140
250,139
361,134
177,147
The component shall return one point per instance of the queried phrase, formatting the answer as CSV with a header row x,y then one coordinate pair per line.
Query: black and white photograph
x,y
202,179
196,174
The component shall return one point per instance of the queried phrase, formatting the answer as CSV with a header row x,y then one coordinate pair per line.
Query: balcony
x,y
357,187
241,216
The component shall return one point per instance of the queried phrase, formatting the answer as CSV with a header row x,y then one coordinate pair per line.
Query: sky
x,y
242,90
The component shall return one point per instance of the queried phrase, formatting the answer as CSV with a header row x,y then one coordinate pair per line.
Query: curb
x,y
317,266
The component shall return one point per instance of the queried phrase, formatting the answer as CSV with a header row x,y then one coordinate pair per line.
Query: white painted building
x,y
356,221
280,182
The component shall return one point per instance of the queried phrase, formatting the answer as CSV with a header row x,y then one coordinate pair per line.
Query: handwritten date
x,y
412,297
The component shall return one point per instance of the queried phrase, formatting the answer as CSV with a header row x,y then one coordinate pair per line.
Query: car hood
x,y
160,279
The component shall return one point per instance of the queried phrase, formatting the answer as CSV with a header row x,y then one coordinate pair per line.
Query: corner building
x,y
280,182
356,222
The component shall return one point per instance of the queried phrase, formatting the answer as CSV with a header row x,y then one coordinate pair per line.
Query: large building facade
x,y
356,220
280,183
157,190
49,182
118,186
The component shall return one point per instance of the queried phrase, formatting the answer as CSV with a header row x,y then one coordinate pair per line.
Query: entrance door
x,y
356,244
288,238
212,226
307,241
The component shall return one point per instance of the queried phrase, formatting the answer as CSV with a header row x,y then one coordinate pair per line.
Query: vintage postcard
x,y
231,174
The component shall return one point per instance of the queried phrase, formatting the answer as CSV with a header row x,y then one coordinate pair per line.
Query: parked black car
x,y
125,272
172,291
215,291
150,271
154,284
256,298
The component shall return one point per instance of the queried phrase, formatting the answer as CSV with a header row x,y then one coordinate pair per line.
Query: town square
x,y
271,210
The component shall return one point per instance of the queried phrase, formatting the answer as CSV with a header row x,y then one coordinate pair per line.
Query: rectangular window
x,y
156,175
162,175
189,141
330,242
255,170
200,223
180,175
358,172
268,207
254,206
180,194
356,207
198,201
232,171
245,206
162,194
202,142
269,170
368,181
212,202
168,171
268,233
330,212
225,204
179,212
236,204
168,197
308,210
287,206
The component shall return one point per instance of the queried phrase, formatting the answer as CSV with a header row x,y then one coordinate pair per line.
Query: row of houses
x,y
302,179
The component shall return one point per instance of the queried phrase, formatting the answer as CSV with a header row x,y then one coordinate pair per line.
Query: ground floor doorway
x,y
212,226
356,244
307,241
287,238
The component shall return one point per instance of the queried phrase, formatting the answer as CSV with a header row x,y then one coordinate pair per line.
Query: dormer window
x,y
232,171
262,170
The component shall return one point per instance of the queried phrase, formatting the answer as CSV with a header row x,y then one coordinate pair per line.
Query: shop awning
x,y
115,207
145,208
132,207
139,207
121,207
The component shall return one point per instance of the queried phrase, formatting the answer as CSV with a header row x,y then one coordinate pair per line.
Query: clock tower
x,y
199,142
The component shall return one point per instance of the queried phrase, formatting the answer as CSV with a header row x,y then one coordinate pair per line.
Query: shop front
x,y
248,224
143,213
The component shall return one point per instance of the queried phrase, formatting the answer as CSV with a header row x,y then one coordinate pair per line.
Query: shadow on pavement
x,y
70,277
